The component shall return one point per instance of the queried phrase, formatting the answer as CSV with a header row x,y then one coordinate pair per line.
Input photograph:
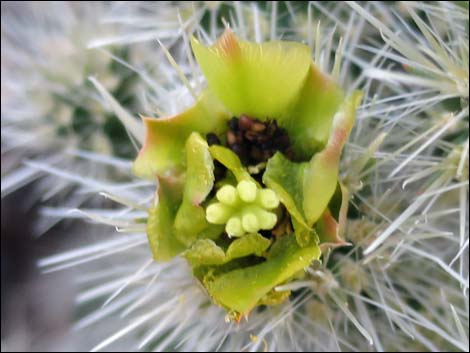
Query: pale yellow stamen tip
x,y
234,227
250,223
218,213
247,190
268,199
227,195
267,220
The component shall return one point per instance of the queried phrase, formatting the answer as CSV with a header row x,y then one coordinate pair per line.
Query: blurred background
x,y
36,310
37,39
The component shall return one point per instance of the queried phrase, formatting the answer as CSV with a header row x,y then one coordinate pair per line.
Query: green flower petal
x,y
163,150
247,245
178,220
190,221
260,80
163,244
305,189
241,290
191,224
312,117
305,236
206,252
321,174
285,178
231,161
200,170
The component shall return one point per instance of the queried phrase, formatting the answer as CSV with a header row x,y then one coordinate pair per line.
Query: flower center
x,y
254,141
246,208
243,209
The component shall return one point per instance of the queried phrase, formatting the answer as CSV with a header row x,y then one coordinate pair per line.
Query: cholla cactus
x,y
404,173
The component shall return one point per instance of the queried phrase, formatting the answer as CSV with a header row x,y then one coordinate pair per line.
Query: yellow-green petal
x,y
285,178
163,243
231,161
321,173
163,152
205,252
190,219
260,80
305,236
199,170
311,120
248,244
241,290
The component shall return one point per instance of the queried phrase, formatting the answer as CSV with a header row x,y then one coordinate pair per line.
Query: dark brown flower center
x,y
253,141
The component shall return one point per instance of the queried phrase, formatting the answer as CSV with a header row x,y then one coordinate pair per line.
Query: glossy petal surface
x,y
163,152
260,80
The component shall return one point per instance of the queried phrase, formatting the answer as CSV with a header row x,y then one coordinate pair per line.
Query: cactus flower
x,y
248,188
